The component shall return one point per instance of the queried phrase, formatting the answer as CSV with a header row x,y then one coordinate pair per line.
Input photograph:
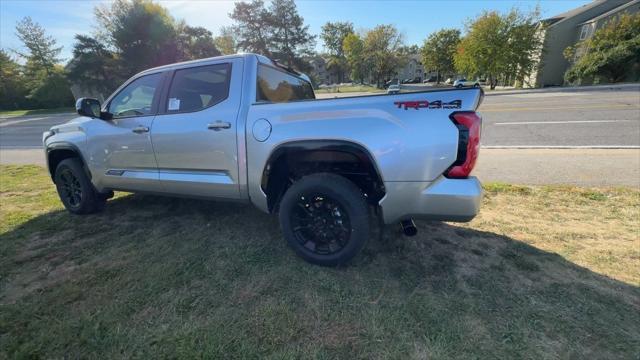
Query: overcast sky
x,y
415,19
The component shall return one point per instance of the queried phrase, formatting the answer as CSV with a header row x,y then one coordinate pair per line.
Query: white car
x,y
464,82
393,89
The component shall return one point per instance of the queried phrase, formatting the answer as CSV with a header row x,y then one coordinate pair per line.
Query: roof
x,y
613,11
573,12
189,62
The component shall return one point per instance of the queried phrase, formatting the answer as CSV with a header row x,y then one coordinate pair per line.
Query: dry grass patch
x,y
543,272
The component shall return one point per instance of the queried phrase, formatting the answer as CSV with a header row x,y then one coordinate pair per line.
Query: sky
x,y
415,19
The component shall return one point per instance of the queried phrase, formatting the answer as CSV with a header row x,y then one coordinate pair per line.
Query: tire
x,y
459,86
476,85
325,219
75,189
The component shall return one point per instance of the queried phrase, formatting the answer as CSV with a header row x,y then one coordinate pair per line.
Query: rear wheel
x,y
325,219
75,189
459,86
476,85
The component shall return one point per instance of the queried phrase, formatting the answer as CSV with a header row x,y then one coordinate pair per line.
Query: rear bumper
x,y
443,199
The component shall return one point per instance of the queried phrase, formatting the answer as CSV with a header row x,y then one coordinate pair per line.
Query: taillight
x,y
469,126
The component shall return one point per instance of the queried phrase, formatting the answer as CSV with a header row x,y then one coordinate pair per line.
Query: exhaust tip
x,y
408,227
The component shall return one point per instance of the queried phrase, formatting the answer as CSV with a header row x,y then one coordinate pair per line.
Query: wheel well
x,y
291,162
54,157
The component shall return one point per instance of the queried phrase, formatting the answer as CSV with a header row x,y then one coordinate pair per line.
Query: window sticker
x,y
174,104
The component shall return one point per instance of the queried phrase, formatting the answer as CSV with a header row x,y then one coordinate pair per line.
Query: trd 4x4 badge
x,y
437,104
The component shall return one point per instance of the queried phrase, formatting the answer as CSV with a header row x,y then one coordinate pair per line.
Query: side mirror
x,y
88,107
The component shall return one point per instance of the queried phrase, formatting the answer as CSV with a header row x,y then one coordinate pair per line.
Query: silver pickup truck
x,y
244,128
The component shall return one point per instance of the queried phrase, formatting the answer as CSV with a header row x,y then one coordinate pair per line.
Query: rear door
x,y
194,135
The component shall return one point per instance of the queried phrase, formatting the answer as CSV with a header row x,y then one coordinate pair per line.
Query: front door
x,y
194,134
120,151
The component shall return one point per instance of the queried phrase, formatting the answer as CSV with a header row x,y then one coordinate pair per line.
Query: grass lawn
x,y
542,272
348,89
8,113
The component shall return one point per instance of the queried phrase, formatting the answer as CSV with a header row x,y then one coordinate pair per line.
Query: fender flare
x,y
56,146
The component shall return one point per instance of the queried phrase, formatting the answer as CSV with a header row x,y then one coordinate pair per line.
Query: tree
x,y
252,27
381,48
498,44
141,32
45,82
194,43
12,89
353,47
610,53
42,52
438,51
226,42
333,35
482,50
524,44
94,67
290,37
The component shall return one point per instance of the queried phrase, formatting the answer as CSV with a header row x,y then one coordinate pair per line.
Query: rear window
x,y
275,85
197,88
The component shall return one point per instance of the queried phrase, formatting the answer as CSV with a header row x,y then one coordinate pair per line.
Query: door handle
x,y
140,129
219,125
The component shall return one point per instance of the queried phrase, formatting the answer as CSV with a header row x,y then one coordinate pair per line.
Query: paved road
x,y
585,118
588,118
26,131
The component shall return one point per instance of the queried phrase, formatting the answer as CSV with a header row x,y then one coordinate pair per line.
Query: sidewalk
x,y
580,167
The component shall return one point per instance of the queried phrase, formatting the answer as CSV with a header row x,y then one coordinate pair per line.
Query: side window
x,y
278,86
198,88
136,98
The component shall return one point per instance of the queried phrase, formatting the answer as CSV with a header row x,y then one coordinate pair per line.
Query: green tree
x,y
226,42
381,49
611,53
141,32
45,82
252,27
94,67
42,52
194,43
290,36
353,47
497,44
333,35
483,50
12,89
438,51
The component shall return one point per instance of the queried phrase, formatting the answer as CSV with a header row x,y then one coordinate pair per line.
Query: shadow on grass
x,y
184,278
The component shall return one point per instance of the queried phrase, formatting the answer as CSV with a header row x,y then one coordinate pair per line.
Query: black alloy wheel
x,y
71,188
320,223
325,218
75,188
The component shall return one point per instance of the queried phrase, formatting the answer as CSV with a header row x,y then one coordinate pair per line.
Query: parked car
x,y
391,82
393,89
431,79
464,82
243,128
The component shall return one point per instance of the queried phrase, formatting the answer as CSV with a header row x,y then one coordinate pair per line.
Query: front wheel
x,y
75,189
459,86
476,85
325,219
